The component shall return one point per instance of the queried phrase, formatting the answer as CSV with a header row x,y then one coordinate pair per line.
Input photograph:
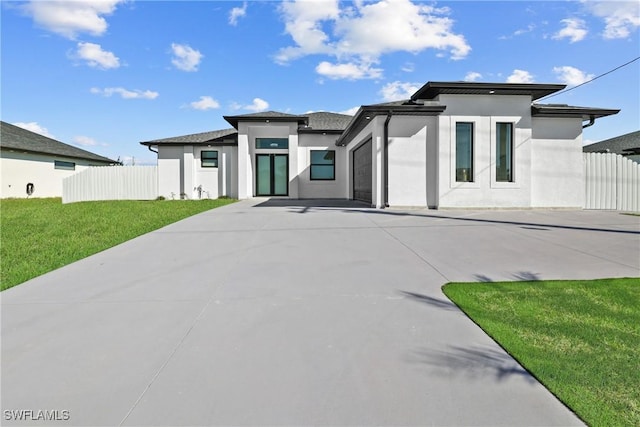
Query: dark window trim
x,y
202,159
63,165
471,155
272,148
311,165
511,141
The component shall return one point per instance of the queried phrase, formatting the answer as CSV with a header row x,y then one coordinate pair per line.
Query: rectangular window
x,y
323,165
464,152
209,159
504,152
68,166
273,143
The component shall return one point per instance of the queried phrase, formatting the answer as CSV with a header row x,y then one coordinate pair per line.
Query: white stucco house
x,y
33,165
452,144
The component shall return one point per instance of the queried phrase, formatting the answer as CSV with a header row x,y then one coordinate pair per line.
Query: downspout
x,y
151,149
592,121
385,163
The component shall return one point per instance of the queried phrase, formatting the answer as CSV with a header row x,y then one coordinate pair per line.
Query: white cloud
x,y
257,105
396,91
350,71
205,103
70,18
96,57
620,17
359,33
185,57
409,67
236,13
351,111
520,76
472,76
571,75
86,141
34,127
125,93
574,29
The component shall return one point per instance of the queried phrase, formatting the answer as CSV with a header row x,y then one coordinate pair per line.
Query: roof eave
x,y
367,112
234,120
536,90
571,112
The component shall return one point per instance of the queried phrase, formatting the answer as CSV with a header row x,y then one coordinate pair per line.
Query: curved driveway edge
x,y
295,313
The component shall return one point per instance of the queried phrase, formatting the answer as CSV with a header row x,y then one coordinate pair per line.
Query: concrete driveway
x,y
286,313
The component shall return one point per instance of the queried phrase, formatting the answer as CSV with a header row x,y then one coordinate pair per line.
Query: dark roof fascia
x,y
368,112
558,111
536,90
199,144
321,131
234,120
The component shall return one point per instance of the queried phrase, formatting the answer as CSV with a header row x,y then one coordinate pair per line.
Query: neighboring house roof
x,y
223,136
265,116
536,90
18,139
624,144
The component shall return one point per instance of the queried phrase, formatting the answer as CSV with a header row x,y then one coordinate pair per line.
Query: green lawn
x,y
40,235
581,339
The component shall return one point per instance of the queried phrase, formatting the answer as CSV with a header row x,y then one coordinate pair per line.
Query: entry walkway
x,y
297,313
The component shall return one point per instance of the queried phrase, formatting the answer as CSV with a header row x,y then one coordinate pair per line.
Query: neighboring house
x,y
452,144
34,165
627,145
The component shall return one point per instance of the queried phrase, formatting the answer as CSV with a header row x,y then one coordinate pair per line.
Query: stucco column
x,y
293,165
222,174
243,167
377,164
188,172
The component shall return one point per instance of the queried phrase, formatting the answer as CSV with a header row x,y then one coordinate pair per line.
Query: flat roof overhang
x,y
536,90
367,112
562,110
233,120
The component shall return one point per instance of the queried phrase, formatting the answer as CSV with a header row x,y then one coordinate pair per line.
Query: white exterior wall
x,y
484,111
180,171
557,170
407,164
170,172
308,189
19,169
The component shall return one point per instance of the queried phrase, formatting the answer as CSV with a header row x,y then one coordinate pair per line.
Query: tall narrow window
x,y
464,152
209,159
504,152
323,165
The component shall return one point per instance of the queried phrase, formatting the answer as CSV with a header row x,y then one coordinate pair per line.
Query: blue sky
x,y
105,75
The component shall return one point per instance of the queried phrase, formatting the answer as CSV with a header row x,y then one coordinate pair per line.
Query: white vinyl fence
x,y
612,182
111,183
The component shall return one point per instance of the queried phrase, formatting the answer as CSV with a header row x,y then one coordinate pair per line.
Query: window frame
x,y
472,150
517,137
64,165
498,144
274,140
312,164
203,158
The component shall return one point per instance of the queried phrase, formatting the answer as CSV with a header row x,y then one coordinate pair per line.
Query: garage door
x,y
362,172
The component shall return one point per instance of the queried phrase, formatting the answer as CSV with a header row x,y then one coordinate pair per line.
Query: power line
x,y
589,81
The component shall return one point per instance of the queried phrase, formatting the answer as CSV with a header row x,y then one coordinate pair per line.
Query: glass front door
x,y
272,174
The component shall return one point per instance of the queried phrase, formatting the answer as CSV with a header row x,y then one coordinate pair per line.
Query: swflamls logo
x,y
37,415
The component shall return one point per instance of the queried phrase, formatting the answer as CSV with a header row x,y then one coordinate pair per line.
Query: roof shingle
x,y
16,138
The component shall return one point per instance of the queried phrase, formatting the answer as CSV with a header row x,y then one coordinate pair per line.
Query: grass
x,y
581,339
40,235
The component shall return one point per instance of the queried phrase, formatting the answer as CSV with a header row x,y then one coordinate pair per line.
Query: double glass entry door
x,y
272,174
